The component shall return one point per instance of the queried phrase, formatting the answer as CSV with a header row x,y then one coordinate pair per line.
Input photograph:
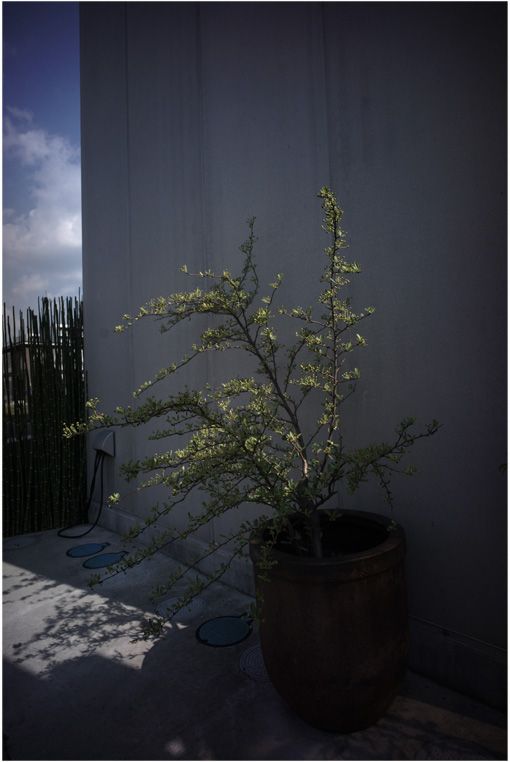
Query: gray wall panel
x,y
198,116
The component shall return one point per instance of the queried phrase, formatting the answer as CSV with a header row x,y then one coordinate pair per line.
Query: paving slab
x,y
79,685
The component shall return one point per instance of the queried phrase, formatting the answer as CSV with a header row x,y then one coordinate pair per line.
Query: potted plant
x,y
331,602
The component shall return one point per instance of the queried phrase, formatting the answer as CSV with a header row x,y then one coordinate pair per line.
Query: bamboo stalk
x,y
44,480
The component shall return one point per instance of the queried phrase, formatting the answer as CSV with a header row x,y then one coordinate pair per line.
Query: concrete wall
x,y
198,116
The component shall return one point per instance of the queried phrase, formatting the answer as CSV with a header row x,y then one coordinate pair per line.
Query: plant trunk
x,y
314,526
315,534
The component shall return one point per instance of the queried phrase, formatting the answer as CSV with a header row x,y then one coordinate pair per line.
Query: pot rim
x,y
382,555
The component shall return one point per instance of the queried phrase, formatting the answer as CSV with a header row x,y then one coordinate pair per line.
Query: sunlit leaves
x,y
245,440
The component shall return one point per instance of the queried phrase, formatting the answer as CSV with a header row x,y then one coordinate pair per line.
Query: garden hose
x,y
100,456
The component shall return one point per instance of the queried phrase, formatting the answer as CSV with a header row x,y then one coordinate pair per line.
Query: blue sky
x,y
41,252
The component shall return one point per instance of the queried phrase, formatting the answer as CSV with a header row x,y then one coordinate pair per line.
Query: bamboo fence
x,y
44,475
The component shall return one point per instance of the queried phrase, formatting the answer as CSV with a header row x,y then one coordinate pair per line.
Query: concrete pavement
x,y
77,686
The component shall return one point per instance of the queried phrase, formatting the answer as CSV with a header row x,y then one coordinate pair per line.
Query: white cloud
x,y
28,284
18,113
41,247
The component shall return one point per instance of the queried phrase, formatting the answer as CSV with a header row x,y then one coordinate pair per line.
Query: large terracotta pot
x,y
334,631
